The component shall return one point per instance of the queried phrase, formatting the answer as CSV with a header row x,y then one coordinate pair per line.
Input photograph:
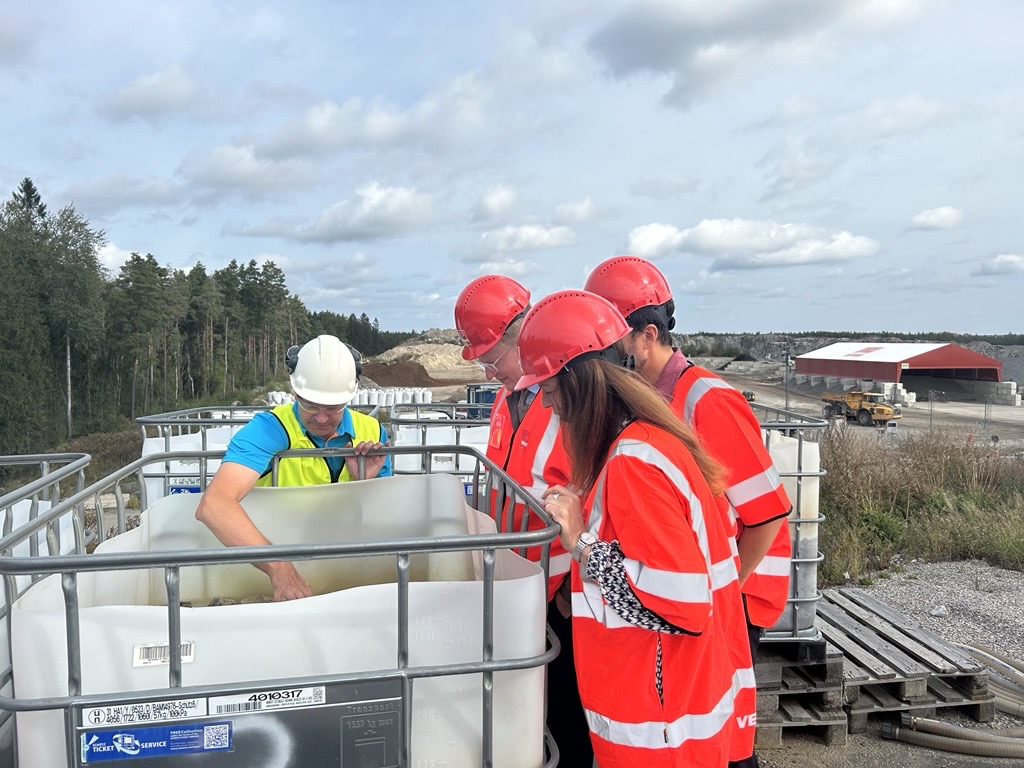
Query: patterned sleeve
x,y
605,567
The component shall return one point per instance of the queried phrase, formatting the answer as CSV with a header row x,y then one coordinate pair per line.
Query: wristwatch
x,y
585,540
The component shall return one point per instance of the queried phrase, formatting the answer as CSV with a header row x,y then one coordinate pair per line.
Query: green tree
x,y
28,202
205,305
72,281
137,317
28,397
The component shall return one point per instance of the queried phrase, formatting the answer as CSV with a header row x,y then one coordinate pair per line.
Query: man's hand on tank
x,y
371,464
287,583
366,446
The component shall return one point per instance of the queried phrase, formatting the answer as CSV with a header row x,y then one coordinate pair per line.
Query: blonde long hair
x,y
597,398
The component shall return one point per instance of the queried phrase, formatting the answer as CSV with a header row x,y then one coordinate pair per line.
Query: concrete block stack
x,y
894,392
998,392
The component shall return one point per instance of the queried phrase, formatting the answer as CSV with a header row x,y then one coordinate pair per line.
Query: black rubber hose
x,y
962,746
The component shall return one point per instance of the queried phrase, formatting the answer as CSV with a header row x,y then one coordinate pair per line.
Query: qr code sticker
x,y
216,737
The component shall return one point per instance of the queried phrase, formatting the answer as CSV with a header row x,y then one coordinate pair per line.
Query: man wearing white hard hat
x,y
324,378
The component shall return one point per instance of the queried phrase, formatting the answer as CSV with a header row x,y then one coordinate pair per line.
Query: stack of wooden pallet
x,y
800,685
867,659
893,664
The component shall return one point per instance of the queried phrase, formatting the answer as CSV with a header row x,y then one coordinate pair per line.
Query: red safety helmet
x,y
563,326
485,309
629,283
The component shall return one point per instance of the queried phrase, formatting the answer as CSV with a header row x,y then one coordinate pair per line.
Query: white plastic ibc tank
x,y
180,474
789,457
349,625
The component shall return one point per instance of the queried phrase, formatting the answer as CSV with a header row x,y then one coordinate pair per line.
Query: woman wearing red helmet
x,y
660,638
524,441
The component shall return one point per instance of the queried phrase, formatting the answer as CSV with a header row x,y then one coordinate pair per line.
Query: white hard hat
x,y
324,372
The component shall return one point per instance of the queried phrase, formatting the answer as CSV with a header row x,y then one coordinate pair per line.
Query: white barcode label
x,y
284,698
153,654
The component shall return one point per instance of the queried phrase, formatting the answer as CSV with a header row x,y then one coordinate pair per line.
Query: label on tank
x,y
280,698
144,712
164,740
151,654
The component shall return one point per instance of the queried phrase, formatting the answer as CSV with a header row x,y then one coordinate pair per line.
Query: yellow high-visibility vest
x,y
314,470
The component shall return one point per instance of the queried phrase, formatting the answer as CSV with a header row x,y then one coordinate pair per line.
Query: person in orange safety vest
x,y
727,428
524,440
661,648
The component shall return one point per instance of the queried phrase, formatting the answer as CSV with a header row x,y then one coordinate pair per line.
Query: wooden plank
x,y
944,692
895,657
794,711
854,672
895,635
961,659
839,635
793,681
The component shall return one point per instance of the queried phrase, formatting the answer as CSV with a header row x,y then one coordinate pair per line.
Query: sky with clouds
x,y
789,165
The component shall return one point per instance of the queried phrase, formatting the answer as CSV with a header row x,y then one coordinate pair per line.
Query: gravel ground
x,y
983,606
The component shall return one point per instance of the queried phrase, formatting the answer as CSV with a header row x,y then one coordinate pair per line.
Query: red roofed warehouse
x,y
907,367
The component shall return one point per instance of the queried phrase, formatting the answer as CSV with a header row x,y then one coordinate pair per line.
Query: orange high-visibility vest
x,y
680,563
729,431
533,456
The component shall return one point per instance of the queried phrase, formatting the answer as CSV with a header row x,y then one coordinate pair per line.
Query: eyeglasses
x,y
492,367
316,410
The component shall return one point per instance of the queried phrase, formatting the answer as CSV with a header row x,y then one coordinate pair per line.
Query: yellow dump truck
x,y
867,408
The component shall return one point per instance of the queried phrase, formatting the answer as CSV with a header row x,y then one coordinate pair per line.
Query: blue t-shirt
x,y
255,444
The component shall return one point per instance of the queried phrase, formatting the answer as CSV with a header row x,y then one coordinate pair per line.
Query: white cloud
x,y
525,238
1003,264
651,241
18,36
496,201
798,165
945,217
664,189
510,267
751,244
239,169
343,271
153,96
442,118
576,213
702,46
117,191
375,213
112,256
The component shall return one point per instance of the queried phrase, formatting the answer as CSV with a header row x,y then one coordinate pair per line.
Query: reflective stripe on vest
x,y
657,735
767,587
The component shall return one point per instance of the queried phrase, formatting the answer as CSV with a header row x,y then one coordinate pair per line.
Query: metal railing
x,y
69,567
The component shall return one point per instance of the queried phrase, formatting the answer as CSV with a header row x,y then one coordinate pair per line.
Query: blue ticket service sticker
x,y
157,741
